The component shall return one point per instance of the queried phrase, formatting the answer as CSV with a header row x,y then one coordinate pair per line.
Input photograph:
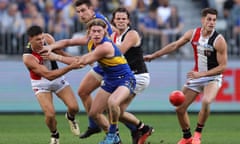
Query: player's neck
x,y
206,33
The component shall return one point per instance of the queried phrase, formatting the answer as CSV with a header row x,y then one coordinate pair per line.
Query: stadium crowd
x,y
158,21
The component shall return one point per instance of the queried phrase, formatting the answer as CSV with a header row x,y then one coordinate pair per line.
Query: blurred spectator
x,y
48,14
205,3
12,29
235,12
95,4
236,29
148,26
22,5
12,21
163,12
59,28
60,4
227,7
3,7
142,8
235,18
69,13
33,17
174,26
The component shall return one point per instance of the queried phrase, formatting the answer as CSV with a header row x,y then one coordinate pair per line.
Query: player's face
x,y
121,21
85,13
37,42
96,33
209,22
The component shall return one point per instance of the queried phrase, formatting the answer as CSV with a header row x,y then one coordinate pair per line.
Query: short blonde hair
x,y
96,22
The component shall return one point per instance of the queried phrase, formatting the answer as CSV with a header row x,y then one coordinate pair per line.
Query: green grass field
x,y
31,129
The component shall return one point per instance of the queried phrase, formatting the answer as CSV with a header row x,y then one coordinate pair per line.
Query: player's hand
x,y
148,58
77,64
51,56
46,49
193,75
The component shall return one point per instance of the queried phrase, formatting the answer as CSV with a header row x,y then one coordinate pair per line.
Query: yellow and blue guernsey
x,y
116,69
97,68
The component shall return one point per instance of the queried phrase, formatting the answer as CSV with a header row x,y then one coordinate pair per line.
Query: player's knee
x,y
180,110
206,101
83,94
50,114
92,114
73,109
113,102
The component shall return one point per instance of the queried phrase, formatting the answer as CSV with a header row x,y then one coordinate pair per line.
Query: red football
x,y
176,98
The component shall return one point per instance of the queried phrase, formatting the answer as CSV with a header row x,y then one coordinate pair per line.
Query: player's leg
x,y
90,82
114,101
209,94
183,117
45,100
142,82
139,131
99,105
67,96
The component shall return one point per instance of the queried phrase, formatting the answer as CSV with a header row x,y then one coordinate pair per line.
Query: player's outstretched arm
x,y
170,47
65,43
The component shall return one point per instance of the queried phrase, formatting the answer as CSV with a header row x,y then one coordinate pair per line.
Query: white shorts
x,y
142,82
198,84
45,85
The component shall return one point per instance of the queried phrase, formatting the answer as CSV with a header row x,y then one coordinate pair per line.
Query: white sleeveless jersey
x,y
205,59
204,51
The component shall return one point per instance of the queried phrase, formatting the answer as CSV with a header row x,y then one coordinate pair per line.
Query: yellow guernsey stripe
x,y
113,61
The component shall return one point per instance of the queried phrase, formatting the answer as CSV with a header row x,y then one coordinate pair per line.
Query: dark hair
x,y
120,9
96,22
80,2
206,11
34,30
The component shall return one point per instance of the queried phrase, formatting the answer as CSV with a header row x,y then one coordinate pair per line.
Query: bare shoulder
x,y
49,38
220,43
188,34
29,60
105,46
133,32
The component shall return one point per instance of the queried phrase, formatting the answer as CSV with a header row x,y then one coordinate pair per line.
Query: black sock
x,y
187,133
117,131
199,128
70,117
140,125
55,134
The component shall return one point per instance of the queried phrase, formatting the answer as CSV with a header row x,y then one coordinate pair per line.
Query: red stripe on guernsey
x,y
194,45
115,37
33,75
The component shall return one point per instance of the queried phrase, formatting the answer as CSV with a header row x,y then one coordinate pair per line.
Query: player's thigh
x,y
120,95
89,83
210,91
190,96
67,96
126,103
99,103
45,100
